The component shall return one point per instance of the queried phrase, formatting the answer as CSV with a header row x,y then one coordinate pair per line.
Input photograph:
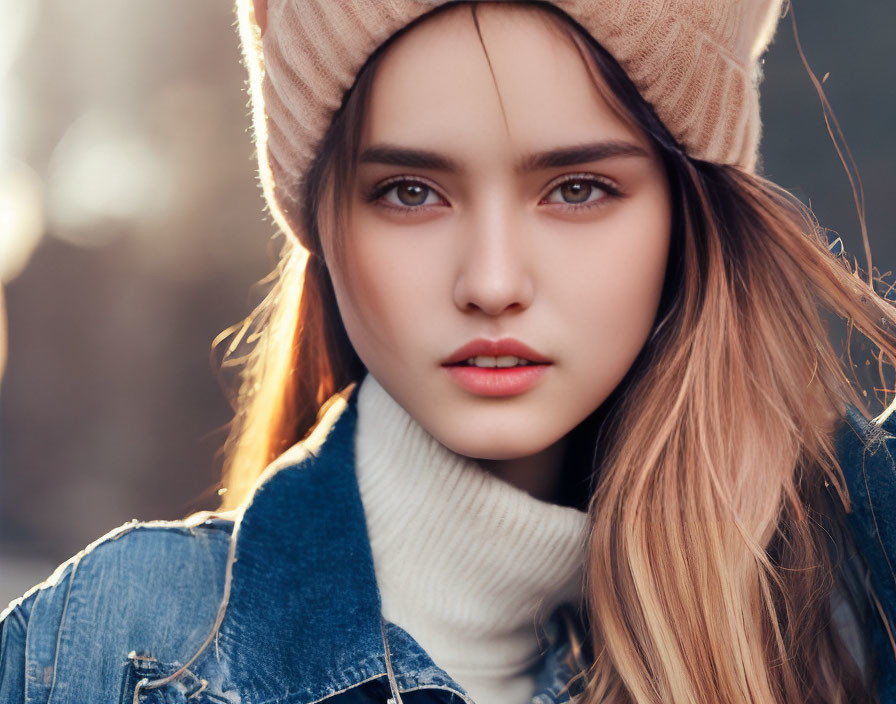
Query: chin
x,y
489,447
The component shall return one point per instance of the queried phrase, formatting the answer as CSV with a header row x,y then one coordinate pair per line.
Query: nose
x,y
495,270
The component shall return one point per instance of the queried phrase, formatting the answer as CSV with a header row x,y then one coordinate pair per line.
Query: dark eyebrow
x,y
411,158
580,154
551,159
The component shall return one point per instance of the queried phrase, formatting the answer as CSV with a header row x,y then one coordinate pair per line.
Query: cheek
x,y
618,293
381,297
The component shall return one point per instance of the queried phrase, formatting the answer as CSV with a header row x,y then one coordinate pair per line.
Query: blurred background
x,y
132,232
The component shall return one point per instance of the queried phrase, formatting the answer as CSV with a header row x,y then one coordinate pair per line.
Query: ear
x,y
261,14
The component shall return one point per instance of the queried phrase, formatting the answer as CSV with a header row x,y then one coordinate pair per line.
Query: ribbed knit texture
x,y
695,61
465,562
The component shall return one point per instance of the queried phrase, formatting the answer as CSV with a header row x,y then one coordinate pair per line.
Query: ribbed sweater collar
x,y
465,562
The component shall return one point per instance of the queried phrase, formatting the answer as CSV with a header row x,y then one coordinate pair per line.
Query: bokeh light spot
x,y
104,168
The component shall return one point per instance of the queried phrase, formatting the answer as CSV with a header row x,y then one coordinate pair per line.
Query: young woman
x,y
541,404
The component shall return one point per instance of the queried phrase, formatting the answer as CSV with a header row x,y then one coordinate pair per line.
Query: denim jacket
x,y
276,602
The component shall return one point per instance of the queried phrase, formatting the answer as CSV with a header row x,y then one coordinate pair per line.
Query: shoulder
x,y
139,550
866,451
125,588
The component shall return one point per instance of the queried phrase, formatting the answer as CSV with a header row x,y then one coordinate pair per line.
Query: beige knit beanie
x,y
695,61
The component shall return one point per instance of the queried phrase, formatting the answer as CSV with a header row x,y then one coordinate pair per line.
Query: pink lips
x,y
507,346
495,381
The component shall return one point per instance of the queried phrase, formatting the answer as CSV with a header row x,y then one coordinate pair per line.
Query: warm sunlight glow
x,y
17,20
21,217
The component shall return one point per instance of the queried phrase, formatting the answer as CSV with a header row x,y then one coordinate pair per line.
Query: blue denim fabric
x,y
301,611
866,454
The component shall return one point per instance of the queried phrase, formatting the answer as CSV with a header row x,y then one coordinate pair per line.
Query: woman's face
x,y
515,213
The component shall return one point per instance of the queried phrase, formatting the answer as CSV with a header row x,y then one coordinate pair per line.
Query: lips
x,y
516,368
506,347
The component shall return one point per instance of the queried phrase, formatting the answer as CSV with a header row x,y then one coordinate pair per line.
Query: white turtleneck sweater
x,y
465,562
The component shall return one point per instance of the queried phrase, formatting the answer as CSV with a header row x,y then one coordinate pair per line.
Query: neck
x,y
539,475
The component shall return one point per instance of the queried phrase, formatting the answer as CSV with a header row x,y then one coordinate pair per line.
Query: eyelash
x,y
611,193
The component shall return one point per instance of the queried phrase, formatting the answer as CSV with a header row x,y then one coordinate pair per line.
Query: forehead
x,y
524,85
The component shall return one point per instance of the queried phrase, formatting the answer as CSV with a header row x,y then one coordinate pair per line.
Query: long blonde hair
x,y
708,569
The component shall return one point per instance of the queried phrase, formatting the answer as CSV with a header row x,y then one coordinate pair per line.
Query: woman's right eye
x,y
406,194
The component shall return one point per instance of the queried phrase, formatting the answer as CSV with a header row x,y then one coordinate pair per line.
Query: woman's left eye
x,y
581,190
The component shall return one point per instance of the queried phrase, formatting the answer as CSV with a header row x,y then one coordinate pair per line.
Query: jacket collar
x,y
304,606
865,451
